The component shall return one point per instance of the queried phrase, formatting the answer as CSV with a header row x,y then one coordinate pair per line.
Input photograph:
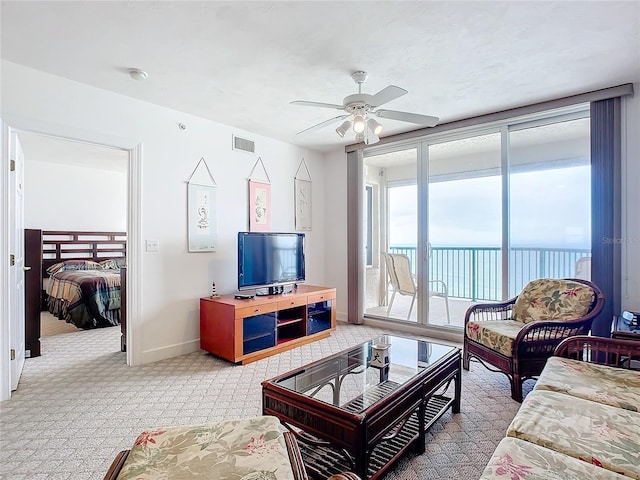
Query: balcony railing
x,y
476,272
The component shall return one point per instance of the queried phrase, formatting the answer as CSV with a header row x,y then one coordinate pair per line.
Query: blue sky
x,y
549,208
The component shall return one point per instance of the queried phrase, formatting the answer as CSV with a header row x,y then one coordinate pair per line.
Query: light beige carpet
x,y
78,405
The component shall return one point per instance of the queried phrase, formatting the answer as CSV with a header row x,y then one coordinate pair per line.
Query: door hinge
x,y
12,166
13,354
12,260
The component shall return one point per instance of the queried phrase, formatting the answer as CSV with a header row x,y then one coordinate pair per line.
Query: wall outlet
x,y
153,245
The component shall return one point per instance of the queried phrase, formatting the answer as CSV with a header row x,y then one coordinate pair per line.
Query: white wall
x,y
172,279
335,235
69,197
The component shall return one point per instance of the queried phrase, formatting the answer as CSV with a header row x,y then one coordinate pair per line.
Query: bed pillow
x,y
108,264
113,263
73,265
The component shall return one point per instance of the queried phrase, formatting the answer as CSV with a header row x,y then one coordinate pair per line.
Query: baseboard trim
x,y
170,351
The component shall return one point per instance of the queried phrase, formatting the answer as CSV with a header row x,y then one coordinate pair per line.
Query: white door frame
x,y
134,231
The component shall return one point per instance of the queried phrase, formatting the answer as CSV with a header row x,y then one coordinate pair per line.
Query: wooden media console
x,y
244,331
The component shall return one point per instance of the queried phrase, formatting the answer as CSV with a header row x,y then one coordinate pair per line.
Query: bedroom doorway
x,y
73,186
133,148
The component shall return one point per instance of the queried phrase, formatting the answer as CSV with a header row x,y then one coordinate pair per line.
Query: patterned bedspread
x,y
86,298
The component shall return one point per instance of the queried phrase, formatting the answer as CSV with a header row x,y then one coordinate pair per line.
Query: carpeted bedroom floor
x,y
78,405
50,325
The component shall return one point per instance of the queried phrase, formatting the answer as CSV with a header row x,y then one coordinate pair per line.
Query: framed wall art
x,y
201,212
302,199
259,201
303,204
259,206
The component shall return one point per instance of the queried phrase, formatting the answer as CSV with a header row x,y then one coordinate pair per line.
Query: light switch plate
x,y
153,245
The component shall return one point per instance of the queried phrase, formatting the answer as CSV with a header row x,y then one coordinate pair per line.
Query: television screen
x,y
270,259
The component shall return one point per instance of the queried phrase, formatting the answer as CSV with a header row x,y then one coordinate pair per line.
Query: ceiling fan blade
x,y
323,124
416,118
387,94
317,104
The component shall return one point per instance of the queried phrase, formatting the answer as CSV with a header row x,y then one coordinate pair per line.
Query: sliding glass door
x,y
392,281
472,217
550,202
465,226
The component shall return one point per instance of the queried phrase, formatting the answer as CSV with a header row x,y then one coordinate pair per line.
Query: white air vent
x,y
244,145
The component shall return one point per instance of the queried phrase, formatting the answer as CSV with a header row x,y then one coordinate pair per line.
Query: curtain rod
x,y
593,96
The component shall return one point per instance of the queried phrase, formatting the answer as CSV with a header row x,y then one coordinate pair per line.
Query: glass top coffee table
x,y
351,415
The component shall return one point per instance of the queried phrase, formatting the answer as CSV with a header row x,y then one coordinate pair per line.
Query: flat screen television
x,y
270,260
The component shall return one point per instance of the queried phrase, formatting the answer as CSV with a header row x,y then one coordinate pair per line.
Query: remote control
x,y
243,297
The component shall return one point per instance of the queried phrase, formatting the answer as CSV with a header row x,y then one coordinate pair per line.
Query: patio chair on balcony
x,y
583,268
516,337
403,282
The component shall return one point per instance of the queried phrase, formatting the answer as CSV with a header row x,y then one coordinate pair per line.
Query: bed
x,y
85,293
78,279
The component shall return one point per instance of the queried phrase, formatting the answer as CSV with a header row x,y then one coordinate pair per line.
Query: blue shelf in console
x,y
259,332
319,318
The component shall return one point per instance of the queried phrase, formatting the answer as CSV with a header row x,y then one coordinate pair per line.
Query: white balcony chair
x,y
402,282
583,268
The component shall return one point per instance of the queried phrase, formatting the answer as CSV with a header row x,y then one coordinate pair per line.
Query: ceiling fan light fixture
x,y
371,138
358,124
374,126
360,108
342,129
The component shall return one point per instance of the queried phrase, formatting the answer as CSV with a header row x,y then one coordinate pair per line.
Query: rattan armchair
x,y
503,342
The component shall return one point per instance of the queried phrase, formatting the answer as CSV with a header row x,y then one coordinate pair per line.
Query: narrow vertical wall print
x,y
201,211
202,218
302,198
303,204
259,201
259,206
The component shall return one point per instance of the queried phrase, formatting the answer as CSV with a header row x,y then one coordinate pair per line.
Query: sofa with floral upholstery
x,y
247,449
581,420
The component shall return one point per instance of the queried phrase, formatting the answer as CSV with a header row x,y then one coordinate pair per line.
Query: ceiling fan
x,y
362,107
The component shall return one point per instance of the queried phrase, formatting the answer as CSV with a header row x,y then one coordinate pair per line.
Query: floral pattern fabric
x,y
516,459
250,449
552,299
617,387
599,434
498,335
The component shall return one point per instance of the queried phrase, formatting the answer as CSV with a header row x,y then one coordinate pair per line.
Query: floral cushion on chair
x,y
236,449
552,299
497,335
516,459
617,387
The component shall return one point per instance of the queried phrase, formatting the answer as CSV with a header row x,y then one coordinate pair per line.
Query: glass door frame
x,y
422,295
421,145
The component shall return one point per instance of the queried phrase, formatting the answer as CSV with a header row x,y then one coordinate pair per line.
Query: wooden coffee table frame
x,y
333,439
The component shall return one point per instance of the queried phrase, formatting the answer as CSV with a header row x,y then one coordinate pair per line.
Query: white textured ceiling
x,y
241,63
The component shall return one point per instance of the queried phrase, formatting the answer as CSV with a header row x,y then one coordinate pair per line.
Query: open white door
x,y
16,264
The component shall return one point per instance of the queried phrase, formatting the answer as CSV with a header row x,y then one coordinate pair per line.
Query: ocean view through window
x,y
466,256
